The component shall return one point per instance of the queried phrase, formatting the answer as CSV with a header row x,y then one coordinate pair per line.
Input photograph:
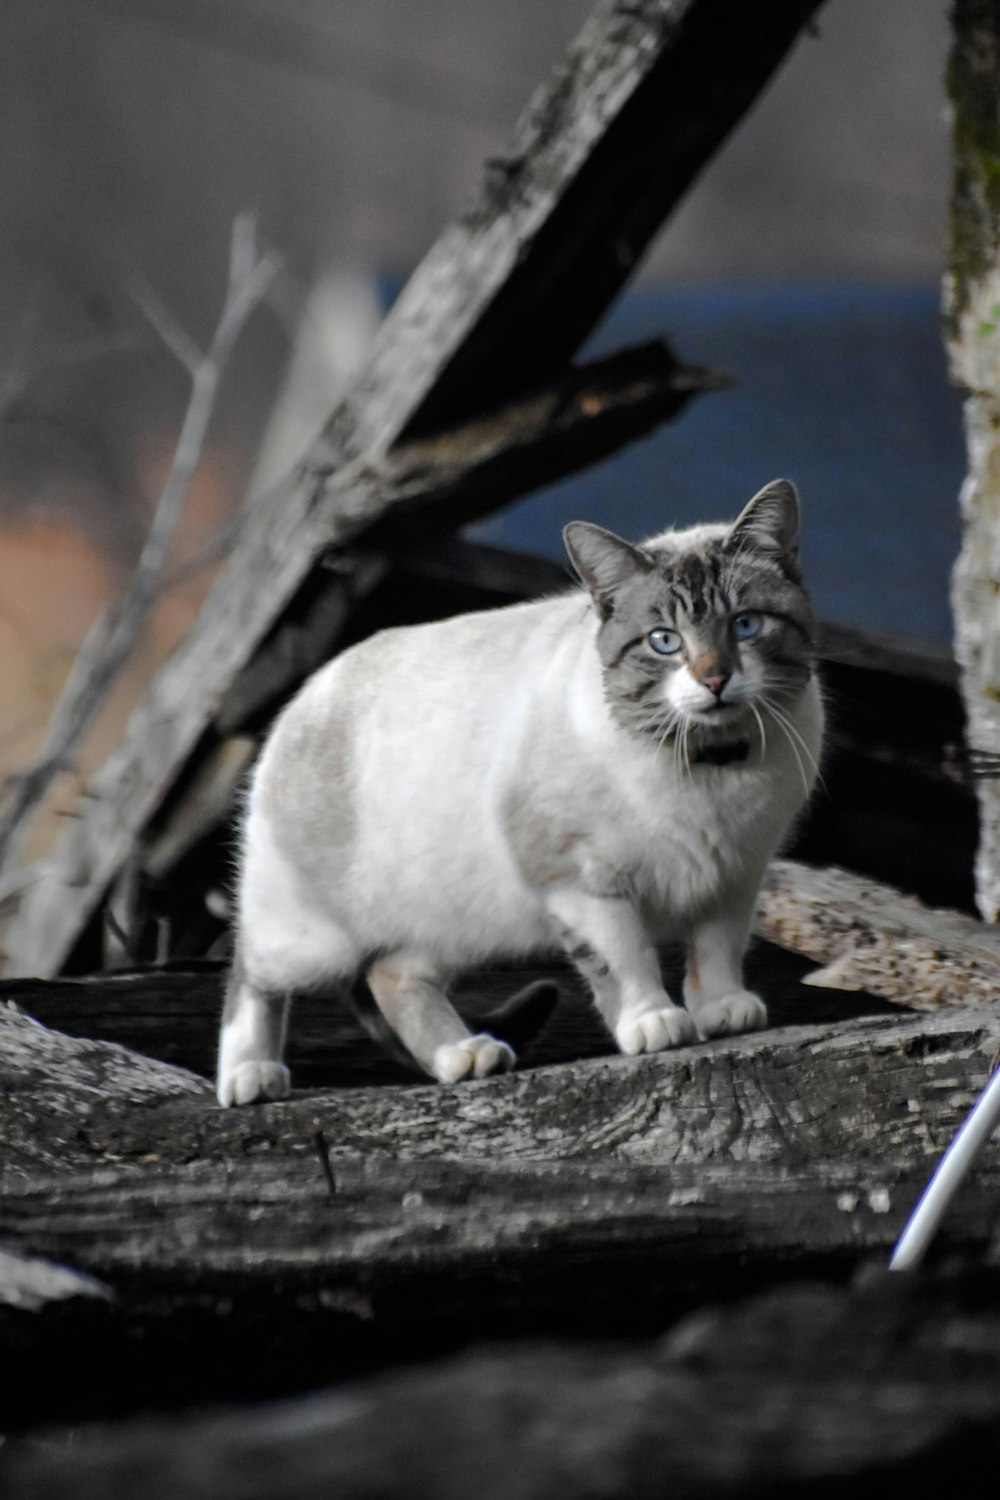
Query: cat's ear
x,y
603,561
770,522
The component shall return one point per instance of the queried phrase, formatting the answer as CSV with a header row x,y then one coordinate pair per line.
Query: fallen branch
x,y
870,937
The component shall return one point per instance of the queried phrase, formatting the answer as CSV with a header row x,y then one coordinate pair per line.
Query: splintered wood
x,y
870,937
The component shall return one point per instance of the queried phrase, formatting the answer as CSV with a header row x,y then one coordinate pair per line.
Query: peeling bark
x,y
870,937
972,297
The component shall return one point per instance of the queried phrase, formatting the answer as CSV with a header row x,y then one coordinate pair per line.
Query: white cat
x,y
594,773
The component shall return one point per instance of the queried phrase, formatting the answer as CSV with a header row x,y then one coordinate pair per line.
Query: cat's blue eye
x,y
746,625
666,642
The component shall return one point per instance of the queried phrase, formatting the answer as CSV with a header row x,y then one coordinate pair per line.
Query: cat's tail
x,y
518,1020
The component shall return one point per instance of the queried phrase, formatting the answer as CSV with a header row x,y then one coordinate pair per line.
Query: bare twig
x,y
112,638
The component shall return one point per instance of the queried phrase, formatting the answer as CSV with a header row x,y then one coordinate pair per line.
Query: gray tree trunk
x,y
972,298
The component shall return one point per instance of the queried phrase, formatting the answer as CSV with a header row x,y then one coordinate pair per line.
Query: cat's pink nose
x,y
715,684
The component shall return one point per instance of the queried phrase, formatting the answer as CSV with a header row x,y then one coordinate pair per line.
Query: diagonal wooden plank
x,y
605,150
643,99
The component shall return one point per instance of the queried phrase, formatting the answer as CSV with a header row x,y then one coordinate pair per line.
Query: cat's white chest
x,y
681,837
674,839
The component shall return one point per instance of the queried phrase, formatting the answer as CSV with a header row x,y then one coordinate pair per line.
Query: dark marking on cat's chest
x,y
721,755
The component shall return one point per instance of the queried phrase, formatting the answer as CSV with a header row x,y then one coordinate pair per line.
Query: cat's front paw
x,y
250,1082
653,1030
741,1011
472,1057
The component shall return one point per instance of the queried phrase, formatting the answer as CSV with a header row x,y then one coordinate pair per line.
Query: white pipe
x,y
951,1171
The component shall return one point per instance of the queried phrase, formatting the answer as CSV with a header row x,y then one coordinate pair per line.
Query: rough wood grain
x,y
502,301
870,937
860,1090
972,303
605,150
511,1205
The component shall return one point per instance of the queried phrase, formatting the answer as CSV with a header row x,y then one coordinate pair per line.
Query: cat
x,y
593,774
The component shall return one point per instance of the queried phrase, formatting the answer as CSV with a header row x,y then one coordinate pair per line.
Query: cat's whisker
x,y
674,728
659,729
795,741
760,725
805,747
668,726
794,748
687,747
681,762
678,742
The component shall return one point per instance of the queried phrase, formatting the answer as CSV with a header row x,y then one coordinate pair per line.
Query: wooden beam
x,y
604,152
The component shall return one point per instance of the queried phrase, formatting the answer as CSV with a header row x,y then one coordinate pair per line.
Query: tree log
x,y
799,1392
605,150
870,937
803,1392
972,300
347,1227
867,1090
172,1014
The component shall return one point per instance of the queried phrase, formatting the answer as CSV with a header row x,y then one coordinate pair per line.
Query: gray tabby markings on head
x,y
695,582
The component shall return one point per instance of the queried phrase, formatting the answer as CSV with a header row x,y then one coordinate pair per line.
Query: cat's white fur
x,y
447,794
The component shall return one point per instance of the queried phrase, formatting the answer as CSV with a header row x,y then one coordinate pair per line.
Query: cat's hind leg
x,y
251,1041
285,944
409,991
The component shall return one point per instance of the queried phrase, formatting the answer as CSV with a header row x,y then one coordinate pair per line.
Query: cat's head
x,y
701,629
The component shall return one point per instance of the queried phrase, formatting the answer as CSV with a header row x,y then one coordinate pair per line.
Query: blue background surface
x,y
843,389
